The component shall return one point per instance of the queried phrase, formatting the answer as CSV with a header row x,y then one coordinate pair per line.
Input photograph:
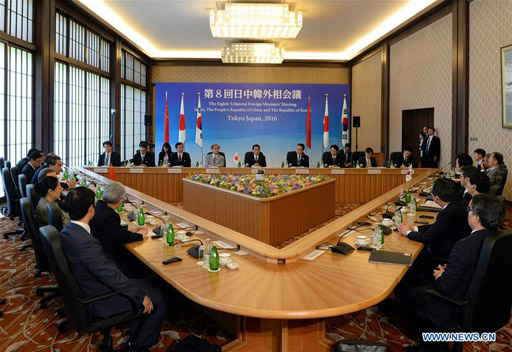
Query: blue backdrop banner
x,y
238,115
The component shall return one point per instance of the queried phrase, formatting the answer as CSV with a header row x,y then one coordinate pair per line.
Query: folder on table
x,y
387,257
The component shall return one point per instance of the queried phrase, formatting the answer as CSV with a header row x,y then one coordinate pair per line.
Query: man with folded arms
x,y
439,238
452,278
97,275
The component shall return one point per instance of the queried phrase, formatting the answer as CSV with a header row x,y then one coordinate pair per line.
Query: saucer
x,y
214,271
232,265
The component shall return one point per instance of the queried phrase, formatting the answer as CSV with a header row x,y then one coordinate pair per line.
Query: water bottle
x,y
170,235
201,252
214,259
99,194
381,235
141,218
412,206
397,218
206,257
66,174
376,240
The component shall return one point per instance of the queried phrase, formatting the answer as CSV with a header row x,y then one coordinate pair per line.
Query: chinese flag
x,y
166,128
308,126
111,173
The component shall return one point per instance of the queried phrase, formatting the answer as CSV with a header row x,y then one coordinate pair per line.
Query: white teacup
x,y
225,258
361,240
387,222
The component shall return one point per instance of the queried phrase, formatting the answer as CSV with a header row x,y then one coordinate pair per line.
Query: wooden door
x,y
412,125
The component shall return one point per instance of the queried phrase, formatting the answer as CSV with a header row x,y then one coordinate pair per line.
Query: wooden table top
x,y
328,286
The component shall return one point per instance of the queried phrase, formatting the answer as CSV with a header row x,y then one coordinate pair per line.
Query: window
x,y
19,21
132,69
16,102
133,130
84,45
81,122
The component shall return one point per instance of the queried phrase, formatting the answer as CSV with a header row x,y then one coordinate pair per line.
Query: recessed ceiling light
x,y
252,53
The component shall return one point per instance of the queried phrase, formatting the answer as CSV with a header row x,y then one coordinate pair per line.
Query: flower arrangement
x,y
269,186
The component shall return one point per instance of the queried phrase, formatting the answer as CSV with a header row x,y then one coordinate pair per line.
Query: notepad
x,y
387,257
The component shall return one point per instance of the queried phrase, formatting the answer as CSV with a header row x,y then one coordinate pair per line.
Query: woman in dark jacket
x,y
164,158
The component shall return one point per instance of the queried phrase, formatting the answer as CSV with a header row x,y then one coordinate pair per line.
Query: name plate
x,y
212,171
404,172
302,171
337,171
373,172
313,255
174,171
100,171
134,170
254,171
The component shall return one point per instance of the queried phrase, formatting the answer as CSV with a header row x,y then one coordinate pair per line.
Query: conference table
x,y
279,299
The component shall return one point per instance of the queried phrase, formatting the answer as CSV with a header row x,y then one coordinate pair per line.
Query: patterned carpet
x,y
25,327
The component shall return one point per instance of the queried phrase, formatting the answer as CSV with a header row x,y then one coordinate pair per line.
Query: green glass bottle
x,y
282,165
75,178
66,174
84,182
408,197
161,163
318,165
120,209
197,163
170,235
141,218
99,193
239,163
381,235
214,258
353,164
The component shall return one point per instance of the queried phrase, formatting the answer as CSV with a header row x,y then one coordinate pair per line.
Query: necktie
x,y
255,158
428,145
298,160
214,160
179,157
108,159
334,160
142,158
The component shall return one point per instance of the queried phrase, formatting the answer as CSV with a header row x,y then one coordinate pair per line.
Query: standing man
x,y
255,158
215,158
423,138
298,159
143,157
109,157
180,158
432,149
334,158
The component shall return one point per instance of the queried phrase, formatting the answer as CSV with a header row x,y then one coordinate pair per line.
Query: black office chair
x,y
74,300
13,205
3,209
41,261
288,156
54,215
8,164
33,195
15,172
500,191
395,159
22,185
356,156
488,301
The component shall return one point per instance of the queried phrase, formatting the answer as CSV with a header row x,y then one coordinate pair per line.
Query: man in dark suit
x,y
462,160
367,160
423,138
106,227
479,155
439,238
477,184
467,172
180,158
255,158
24,161
109,157
35,159
432,149
486,213
405,160
97,275
143,157
333,158
298,159
347,155
497,173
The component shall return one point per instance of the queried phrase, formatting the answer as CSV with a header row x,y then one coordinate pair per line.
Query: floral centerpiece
x,y
269,186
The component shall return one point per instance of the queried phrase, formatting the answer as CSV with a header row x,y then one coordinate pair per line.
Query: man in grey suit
x,y
215,158
497,173
97,275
